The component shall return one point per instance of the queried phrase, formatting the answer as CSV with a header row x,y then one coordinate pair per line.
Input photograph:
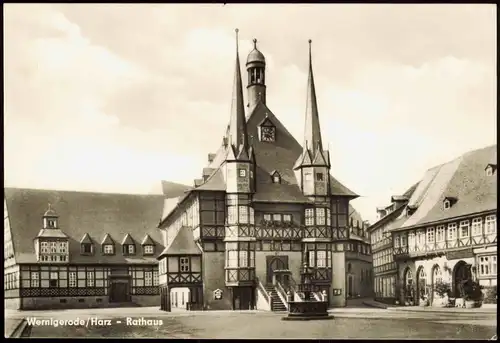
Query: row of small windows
x,y
278,217
82,278
463,229
240,214
57,251
382,257
318,216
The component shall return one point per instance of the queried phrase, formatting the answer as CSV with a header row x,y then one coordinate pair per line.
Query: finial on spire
x,y
255,43
236,30
50,206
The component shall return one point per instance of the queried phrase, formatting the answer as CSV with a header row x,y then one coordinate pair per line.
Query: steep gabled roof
x,y
86,239
182,244
147,240
107,239
80,213
128,239
464,179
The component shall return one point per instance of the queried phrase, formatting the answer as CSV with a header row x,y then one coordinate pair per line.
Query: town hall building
x,y
265,211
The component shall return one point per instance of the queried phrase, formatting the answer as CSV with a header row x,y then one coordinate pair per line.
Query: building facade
x,y
78,249
385,271
447,229
265,209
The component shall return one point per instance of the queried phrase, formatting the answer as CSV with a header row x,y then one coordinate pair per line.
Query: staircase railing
x,y
261,288
282,294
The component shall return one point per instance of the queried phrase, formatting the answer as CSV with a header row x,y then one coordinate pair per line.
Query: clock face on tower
x,y
268,133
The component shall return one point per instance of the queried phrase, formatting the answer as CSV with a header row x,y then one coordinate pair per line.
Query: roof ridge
x,y
81,191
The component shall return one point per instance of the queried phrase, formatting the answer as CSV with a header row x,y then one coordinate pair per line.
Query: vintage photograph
x,y
239,171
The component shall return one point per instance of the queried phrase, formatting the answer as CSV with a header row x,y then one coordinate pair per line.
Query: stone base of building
x,y
54,303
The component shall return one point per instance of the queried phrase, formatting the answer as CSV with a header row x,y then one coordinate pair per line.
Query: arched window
x,y
422,282
408,277
436,275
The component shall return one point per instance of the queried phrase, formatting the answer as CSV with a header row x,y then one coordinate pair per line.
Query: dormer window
x,y
149,249
86,245
87,248
410,211
446,204
276,177
242,173
108,249
490,169
319,176
129,249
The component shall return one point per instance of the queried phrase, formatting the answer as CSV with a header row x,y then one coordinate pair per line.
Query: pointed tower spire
x,y
312,130
237,127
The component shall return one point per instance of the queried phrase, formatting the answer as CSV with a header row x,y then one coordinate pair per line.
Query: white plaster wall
x,y
261,302
338,280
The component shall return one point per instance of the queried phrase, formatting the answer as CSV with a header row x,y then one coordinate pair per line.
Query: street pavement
x,y
354,321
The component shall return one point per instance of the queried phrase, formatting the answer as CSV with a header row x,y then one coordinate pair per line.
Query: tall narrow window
x,y
440,233
184,264
464,228
477,226
312,258
90,279
148,278
155,278
243,215
320,216
232,259
309,214
243,261
54,278
430,235
490,224
35,280
452,231
231,214
321,257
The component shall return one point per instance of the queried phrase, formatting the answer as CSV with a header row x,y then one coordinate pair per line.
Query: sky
x,y
115,97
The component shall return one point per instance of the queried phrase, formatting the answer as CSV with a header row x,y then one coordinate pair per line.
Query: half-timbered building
x,y
68,249
385,271
264,208
449,229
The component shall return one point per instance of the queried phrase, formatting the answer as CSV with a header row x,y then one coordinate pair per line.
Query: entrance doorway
x,y
243,298
179,298
421,284
275,263
350,285
119,290
462,272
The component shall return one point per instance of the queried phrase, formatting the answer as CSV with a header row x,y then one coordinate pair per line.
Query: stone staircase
x,y
276,303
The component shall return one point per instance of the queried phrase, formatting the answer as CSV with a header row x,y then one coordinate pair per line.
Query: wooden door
x,y
275,263
119,292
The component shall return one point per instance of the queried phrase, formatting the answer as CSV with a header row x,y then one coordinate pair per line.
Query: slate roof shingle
x,y
100,217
